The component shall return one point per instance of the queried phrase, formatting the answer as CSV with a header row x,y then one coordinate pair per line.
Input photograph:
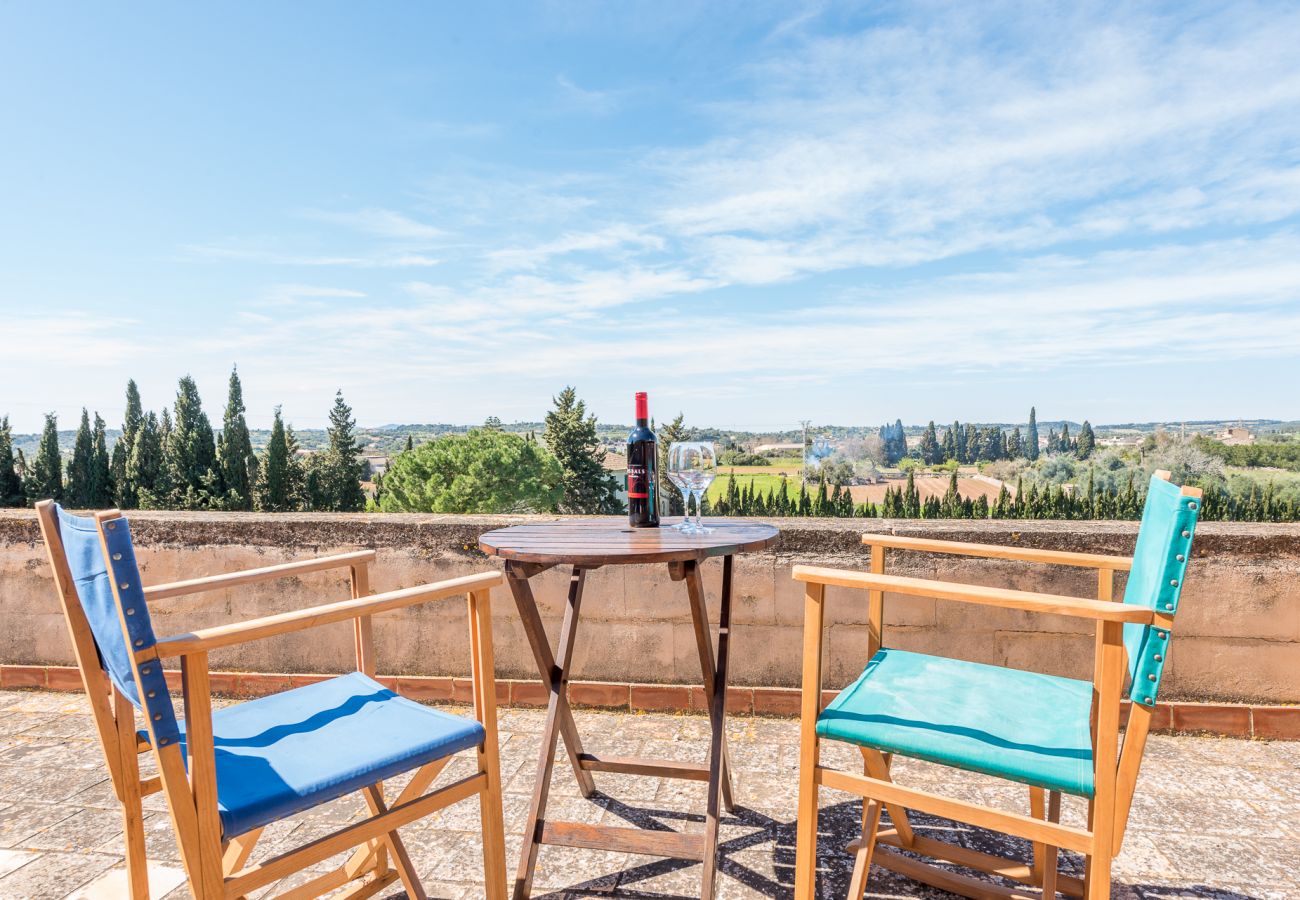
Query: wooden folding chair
x,y
227,774
1055,735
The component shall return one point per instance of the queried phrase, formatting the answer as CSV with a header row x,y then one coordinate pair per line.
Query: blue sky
x,y
757,212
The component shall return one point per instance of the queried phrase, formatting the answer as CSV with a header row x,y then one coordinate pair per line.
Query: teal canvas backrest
x,y
118,618
1164,546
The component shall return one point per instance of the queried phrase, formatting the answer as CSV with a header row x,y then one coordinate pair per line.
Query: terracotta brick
x,y
1230,721
462,691
425,688
777,701
598,693
304,680
22,676
1276,723
739,700
63,678
1162,718
173,679
661,697
259,684
529,693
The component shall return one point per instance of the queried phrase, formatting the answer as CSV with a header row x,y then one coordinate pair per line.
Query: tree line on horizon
x,y
968,444
176,460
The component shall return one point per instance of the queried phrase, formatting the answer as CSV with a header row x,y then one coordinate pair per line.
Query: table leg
x,y
719,770
532,621
557,713
704,643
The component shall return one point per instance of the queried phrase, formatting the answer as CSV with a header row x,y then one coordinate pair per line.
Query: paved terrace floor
x,y
1213,817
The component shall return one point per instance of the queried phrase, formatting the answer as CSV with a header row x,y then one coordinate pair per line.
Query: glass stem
x,y
699,506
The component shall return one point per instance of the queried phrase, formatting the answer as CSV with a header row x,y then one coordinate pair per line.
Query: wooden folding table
x,y
587,544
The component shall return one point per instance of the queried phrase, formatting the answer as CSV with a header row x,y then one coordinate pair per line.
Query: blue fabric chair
x,y
1056,735
228,773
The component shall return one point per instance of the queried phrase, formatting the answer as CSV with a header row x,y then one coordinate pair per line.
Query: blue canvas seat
x,y
958,713
282,754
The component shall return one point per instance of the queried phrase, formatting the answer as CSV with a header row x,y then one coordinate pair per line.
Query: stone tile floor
x,y
1213,817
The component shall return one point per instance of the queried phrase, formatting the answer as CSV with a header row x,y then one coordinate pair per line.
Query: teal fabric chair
x,y
1053,734
228,773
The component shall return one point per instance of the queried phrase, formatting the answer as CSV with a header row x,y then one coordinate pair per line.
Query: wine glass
x,y
696,464
679,480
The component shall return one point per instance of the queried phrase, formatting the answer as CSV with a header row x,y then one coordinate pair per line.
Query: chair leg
x,y
137,865
866,847
406,871
805,870
877,765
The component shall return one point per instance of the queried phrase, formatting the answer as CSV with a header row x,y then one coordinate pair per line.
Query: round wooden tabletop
x,y
611,541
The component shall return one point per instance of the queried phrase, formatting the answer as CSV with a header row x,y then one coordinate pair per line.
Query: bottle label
x,y
638,487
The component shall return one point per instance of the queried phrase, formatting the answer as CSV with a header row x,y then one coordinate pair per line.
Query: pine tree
x,y
571,437
147,485
1031,436
101,477
338,471
77,488
273,486
931,452
122,447
235,460
46,480
672,502
191,450
492,423
1087,441
11,483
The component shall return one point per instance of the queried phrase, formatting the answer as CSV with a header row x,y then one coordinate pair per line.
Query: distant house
x,y
376,465
778,448
616,465
1235,436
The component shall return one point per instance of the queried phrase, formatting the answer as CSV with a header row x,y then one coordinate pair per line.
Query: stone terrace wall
x,y
1238,633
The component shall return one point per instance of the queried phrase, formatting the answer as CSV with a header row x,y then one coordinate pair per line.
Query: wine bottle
x,y
642,470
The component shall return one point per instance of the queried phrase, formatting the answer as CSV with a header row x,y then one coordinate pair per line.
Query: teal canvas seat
x,y
956,713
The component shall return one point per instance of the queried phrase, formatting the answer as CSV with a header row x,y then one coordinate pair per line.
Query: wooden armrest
x,y
1103,610
249,576
255,629
1000,551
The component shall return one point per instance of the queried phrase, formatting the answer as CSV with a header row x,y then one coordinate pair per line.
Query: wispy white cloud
x,y
379,222
590,100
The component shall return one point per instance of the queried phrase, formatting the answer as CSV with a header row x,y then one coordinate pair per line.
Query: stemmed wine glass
x,y
692,466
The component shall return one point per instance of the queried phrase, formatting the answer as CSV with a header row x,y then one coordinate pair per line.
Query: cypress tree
x,y
101,477
46,481
949,446
273,487
11,483
1087,441
931,452
77,489
145,469
911,498
1031,436
191,450
571,437
122,447
338,474
1066,444
1015,445
235,460
410,443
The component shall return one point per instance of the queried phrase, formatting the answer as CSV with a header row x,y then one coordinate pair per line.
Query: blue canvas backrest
x,y
1164,546
120,630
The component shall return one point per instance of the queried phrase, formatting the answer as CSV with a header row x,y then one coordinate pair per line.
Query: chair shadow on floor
x,y
839,824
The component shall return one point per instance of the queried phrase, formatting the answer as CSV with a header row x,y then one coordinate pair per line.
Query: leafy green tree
x,y
335,474
11,483
191,451
1031,436
122,447
101,476
77,487
146,469
478,472
1087,441
275,478
46,479
235,459
570,435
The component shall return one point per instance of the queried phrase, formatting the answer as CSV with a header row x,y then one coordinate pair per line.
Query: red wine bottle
x,y
642,470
